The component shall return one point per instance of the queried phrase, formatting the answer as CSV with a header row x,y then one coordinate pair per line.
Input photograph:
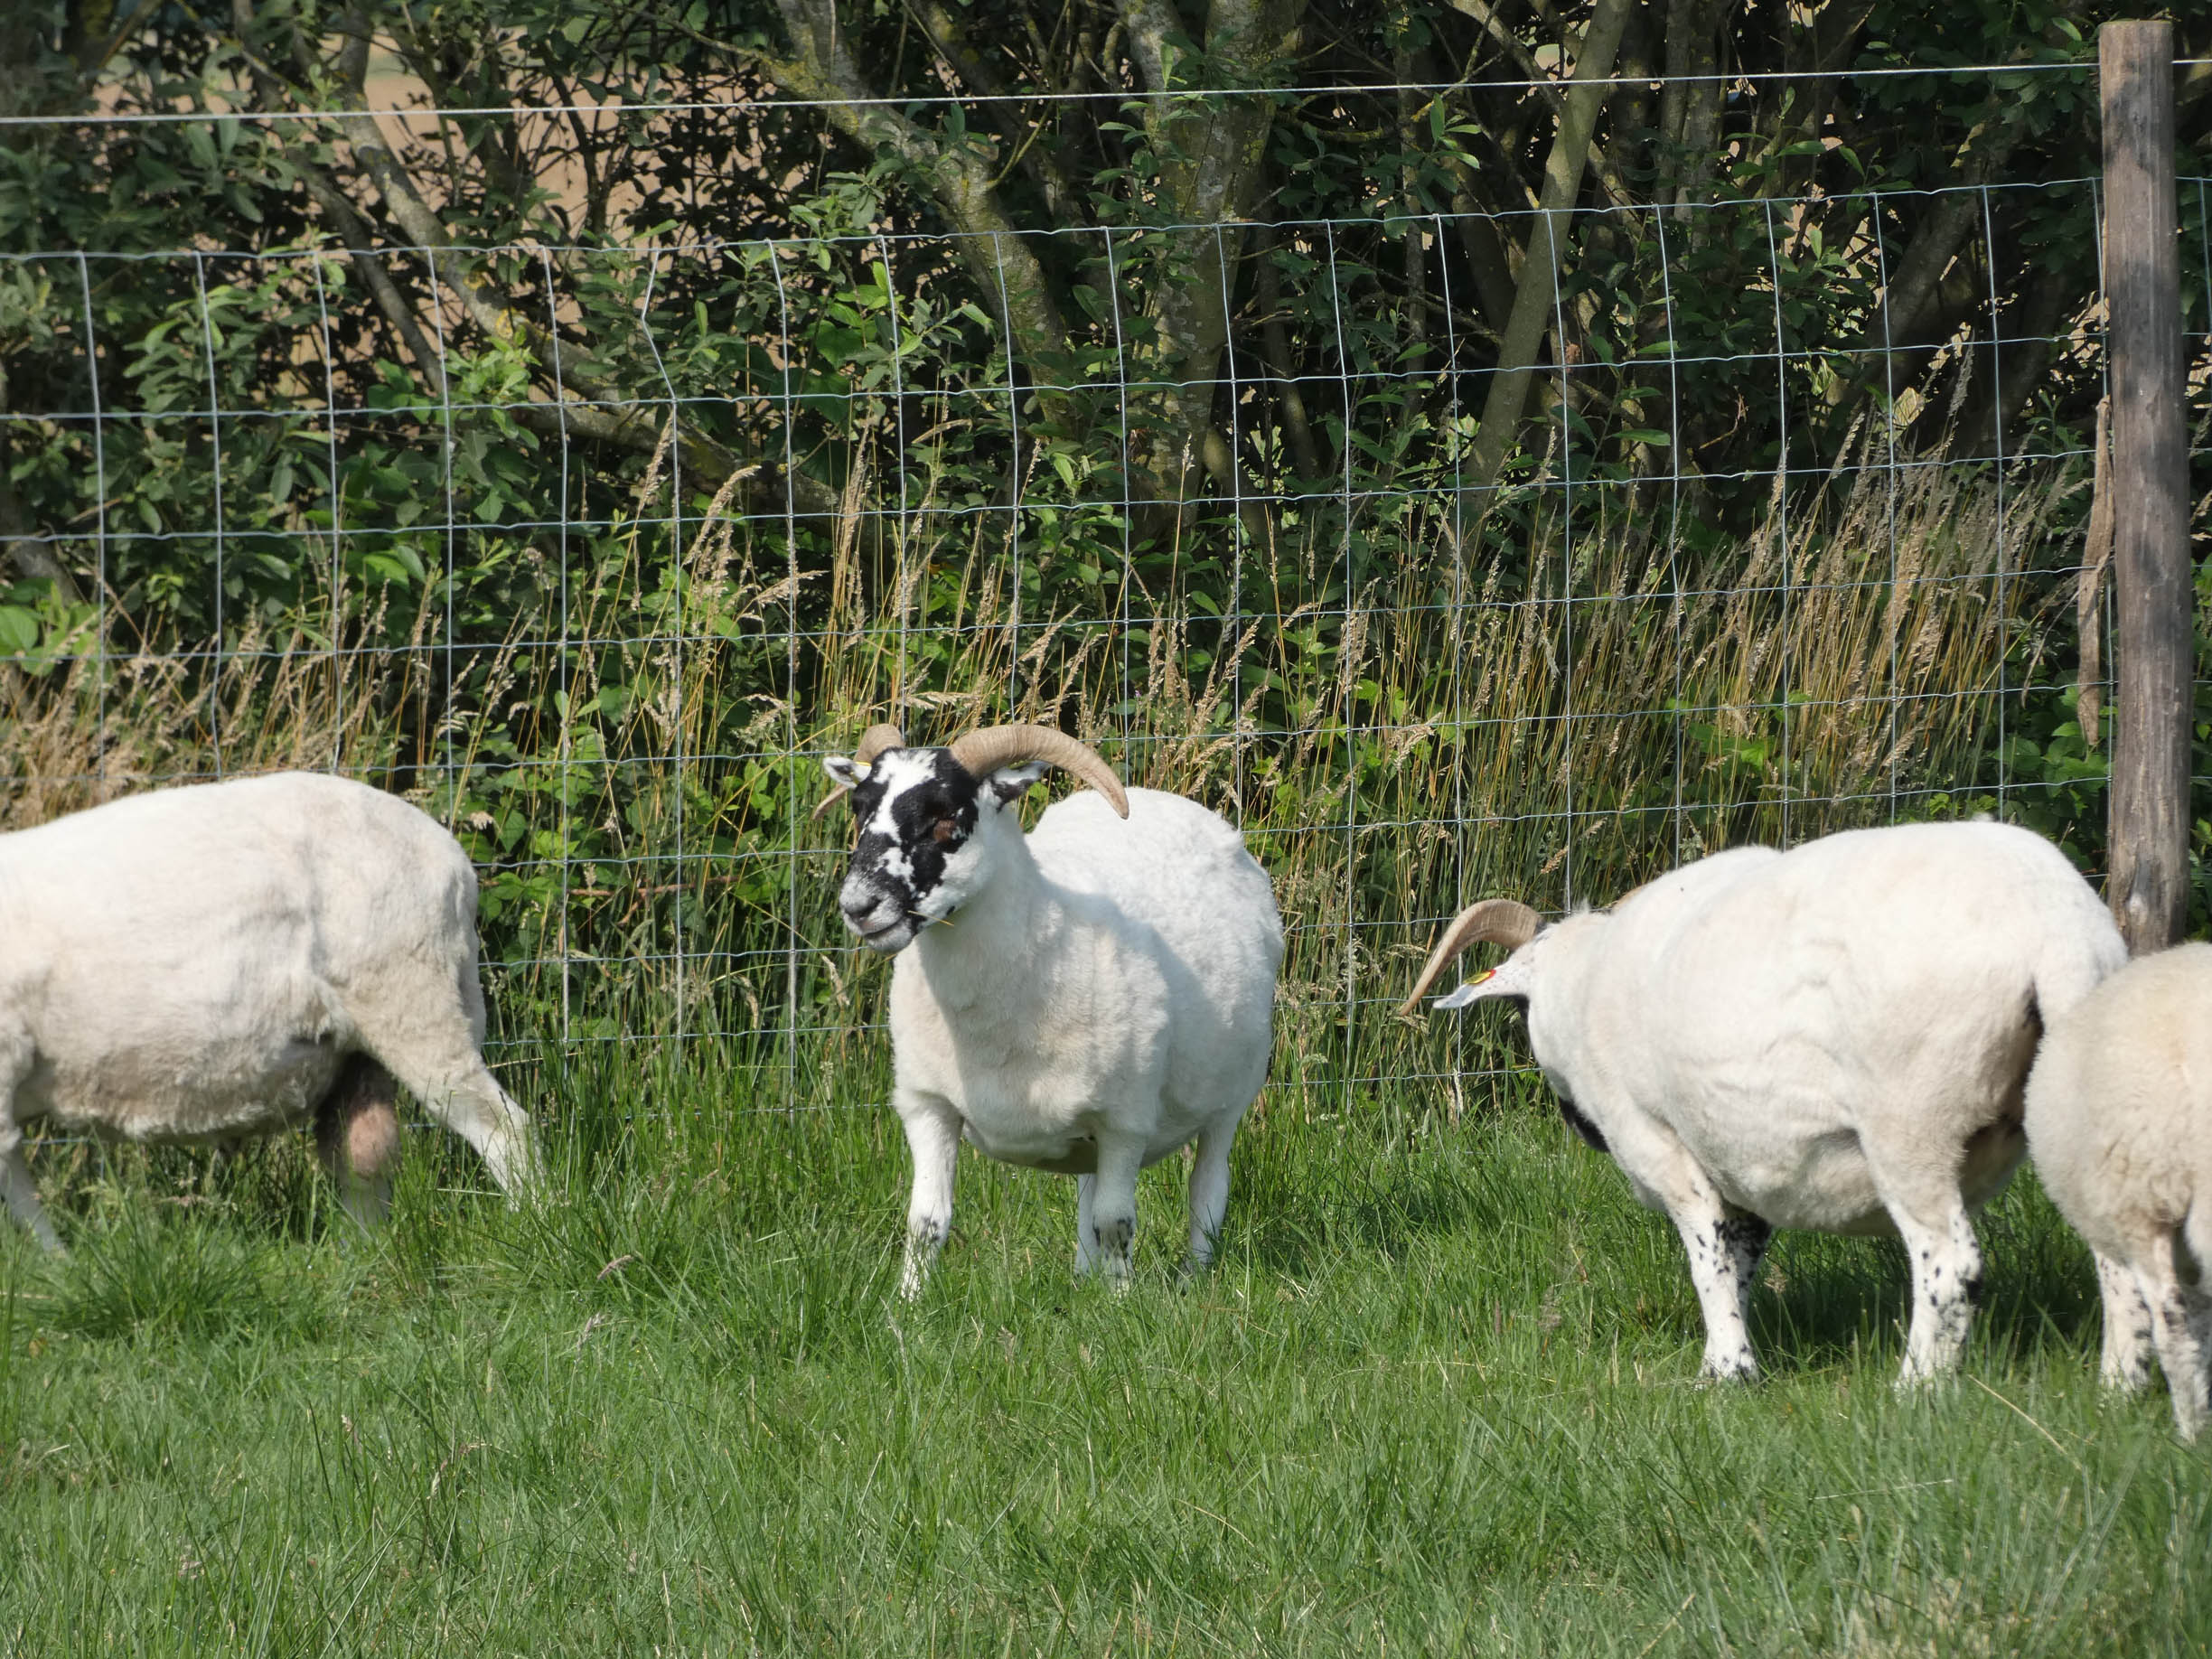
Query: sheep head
x,y
929,820
1496,921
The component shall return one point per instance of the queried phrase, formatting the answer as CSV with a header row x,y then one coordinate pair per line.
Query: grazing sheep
x,y
1085,999
201,963
1834,1038
2119,1123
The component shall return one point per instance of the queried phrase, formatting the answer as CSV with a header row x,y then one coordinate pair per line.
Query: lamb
x,y
2120,1125
201,963
1085,999
1834,1038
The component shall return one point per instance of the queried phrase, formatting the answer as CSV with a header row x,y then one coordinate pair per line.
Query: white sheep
x,y
1085,999
197,964
2120,1124
1834,1038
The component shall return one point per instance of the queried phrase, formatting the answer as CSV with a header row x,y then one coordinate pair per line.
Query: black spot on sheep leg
x,y
1739,1241
1707,1230
1114,1238
1742,1238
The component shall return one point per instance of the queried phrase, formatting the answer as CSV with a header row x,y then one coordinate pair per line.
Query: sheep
x,y
1834,1038
1084,999
201,963
2120,1126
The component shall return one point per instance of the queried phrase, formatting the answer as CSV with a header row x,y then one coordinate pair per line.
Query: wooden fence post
x,y
2155,695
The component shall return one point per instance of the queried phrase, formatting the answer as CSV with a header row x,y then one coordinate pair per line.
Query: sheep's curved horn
x,y
984,752
873,743
1498,921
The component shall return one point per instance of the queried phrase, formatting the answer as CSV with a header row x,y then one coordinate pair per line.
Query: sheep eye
x,y
944,830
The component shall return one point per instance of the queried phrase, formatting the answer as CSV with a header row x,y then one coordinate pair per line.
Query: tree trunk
x,y
1211,162
1533,302
957,173
1690,107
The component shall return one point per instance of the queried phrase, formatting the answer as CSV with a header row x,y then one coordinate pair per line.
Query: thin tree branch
x,y
631,427
273,90
1525,61
1533,301
997,257
1062,199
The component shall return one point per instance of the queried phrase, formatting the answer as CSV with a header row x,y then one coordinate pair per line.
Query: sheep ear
x,y
1010,783
845,771
1514,977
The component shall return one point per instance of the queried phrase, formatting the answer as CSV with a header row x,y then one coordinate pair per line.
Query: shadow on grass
x,y
1305,1198
1843,1299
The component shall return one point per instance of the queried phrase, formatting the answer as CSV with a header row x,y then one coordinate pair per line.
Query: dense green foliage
x,y
584,471
1438,1397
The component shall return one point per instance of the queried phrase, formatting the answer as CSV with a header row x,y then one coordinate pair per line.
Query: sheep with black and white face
x,y
1086,999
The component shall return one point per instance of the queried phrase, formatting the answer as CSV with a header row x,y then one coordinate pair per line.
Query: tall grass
x,y
1556,699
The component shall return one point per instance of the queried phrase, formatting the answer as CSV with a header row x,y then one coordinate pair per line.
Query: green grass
x,y
1439,1396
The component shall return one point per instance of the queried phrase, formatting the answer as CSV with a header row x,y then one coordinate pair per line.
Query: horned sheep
x,y
201,963
1087,998
1834,1038
2120,1125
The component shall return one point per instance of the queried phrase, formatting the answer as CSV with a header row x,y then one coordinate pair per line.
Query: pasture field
x,y
1439,1396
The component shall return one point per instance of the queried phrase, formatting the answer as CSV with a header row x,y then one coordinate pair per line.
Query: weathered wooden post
x,y
2149,885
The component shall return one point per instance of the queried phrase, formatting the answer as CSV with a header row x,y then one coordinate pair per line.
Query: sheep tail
x,y
2197,1233
2073,964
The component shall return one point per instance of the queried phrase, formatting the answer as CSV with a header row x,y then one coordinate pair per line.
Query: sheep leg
x,y
16,1186
468,1100
1746,1237
1113,1227
21,1195
357,1133
1086,1247
1724,1251
933,1137
1209,1194
1930,1216
437,1059
2126,1365
2178,1320
425,1025
1724,1246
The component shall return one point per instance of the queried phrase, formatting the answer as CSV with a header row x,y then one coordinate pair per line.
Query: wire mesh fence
x,y
1749,569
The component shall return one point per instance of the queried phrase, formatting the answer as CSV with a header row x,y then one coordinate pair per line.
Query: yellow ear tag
x,y
1487,973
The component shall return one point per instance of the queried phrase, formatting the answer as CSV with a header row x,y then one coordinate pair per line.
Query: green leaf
x,y
18,630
